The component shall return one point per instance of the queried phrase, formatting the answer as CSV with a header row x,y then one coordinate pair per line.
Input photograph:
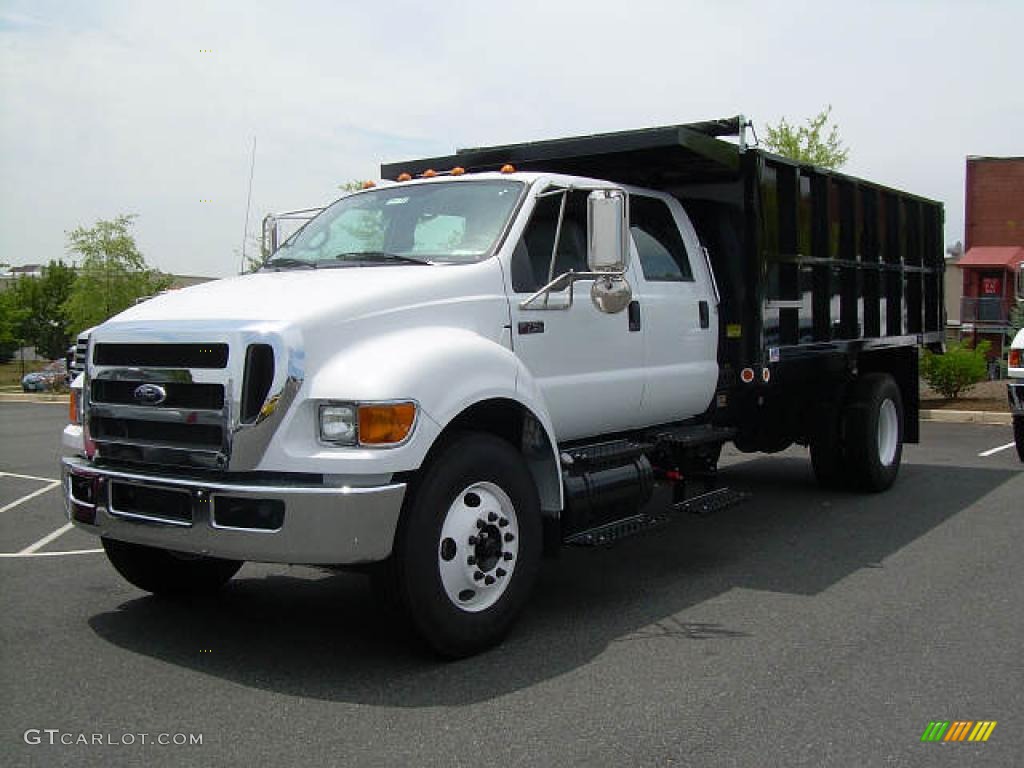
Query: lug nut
x,y
509,537
508,556
491,517
489,580
502,523
480,523
500,572
471,560
478,575
472,541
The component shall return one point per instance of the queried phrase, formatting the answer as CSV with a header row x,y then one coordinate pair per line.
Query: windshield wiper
x,y
375,256
286,262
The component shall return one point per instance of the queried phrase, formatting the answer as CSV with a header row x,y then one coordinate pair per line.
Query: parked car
x,y
54,375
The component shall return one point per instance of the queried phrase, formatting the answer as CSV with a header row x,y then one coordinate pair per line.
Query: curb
x,y
17,397
968,417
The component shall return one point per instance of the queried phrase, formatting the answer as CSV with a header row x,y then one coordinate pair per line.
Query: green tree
x,y
42,319
12,316
809,143
112,275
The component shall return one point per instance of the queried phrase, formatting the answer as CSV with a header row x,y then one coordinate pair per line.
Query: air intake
x,y
259,375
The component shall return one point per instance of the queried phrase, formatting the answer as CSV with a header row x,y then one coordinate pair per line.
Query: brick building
x,y
993,281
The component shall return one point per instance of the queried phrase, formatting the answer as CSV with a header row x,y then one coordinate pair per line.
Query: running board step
x,y
692,435
702,505
711,502
603,454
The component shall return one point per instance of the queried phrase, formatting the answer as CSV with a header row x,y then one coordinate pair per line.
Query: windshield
x,y
455,222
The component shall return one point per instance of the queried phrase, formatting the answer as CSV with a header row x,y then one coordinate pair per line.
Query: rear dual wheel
x,y
862,445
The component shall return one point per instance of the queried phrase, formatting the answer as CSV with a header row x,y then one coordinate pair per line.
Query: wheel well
x,y
514,422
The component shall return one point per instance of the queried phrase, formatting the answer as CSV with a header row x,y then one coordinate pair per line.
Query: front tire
x,y
874,433
1018,435
168,573
469,547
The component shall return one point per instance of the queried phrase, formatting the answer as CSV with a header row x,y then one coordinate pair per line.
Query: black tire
x,y
867,414
168,573
1018,435
414,570
828,453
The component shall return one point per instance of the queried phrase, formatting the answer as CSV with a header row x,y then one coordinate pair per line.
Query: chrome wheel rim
x,y
479,547
888,433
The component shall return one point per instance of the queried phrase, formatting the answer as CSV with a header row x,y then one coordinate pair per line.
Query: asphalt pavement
x,y
803,627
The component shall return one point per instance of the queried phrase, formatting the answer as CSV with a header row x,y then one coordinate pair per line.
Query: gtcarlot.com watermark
x,y
55,736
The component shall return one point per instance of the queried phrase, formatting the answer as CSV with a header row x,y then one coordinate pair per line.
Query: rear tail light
x,y
1015,358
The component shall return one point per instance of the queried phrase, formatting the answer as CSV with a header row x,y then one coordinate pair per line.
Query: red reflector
x,y
747,375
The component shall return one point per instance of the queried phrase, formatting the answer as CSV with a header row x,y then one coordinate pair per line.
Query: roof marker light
x,y
429,173
369,184
508,168
404,177
458,170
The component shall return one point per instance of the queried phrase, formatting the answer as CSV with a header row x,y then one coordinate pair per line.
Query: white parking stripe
x,y
52,554
53,484
29,477
989,452
46,540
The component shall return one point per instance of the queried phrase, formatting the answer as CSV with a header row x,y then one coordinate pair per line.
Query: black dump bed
x,y
808,261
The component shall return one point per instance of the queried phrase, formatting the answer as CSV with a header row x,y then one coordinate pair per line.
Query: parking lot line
x,y
51,554
28,477
53,484
990,451
46,539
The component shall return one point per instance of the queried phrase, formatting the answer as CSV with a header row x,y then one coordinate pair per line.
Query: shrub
x,y
954,373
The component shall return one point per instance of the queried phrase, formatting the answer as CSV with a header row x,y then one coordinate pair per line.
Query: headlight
x,y
338,424
368,424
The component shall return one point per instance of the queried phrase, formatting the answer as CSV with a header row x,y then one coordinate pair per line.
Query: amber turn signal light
x,y
385,424
73,406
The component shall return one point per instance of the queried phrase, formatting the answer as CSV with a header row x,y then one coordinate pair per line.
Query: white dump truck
x,y
490,355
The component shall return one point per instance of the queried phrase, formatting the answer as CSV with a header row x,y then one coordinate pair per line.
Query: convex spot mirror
x,y
606,231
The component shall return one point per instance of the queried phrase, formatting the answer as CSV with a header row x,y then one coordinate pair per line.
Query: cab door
x,y
587,363
678,310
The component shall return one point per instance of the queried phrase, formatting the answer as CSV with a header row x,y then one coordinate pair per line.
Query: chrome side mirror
x,y
607,244
268,242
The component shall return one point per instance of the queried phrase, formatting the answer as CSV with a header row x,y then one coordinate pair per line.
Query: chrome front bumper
x,y
317,525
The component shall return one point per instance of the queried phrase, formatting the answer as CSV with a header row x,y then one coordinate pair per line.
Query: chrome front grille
x,y
81,350
161,403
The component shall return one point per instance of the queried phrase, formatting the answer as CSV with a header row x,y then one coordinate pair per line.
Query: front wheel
x,y
163,572
1018,435
468,550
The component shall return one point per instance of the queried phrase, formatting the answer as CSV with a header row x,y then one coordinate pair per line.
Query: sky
x,y
152,108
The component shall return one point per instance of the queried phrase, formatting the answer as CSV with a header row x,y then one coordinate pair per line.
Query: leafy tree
x,y
12,316
112,275
42,320
956,372
809,143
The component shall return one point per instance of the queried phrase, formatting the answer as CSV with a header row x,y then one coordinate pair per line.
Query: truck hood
x,y
308,298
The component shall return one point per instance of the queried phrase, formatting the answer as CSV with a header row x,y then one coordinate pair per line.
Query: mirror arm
x,y
569,277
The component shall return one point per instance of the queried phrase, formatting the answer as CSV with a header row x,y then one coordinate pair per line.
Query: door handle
x,y
634,315
705,314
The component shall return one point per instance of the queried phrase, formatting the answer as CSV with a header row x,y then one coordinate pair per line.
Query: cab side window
x,y
658,241
531,259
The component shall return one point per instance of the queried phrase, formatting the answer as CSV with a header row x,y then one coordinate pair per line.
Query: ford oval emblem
x,y
149,394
